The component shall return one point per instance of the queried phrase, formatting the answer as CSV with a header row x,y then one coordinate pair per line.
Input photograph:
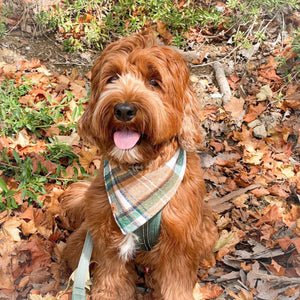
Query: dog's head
x,y
140,102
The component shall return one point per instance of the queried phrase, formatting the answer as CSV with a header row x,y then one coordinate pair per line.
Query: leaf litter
x,y
251,167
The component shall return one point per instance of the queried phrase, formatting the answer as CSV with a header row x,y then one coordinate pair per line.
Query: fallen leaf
x,y
276,269
28,214
236,108
254,112
259,192
209,291
278,190
39,275
6,276
284,243
239,201
162,29
28,227
227,159
265,93
233,81
273,214
10,228
228,239
200,58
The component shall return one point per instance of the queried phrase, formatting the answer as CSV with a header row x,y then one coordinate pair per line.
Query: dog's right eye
x,y
112,79
153,83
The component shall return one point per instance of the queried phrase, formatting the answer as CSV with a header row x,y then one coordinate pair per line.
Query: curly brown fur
x,y
155,80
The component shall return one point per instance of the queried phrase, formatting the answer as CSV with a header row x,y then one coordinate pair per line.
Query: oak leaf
x,y
273,214
209,291
235,107
276,269
254,112
162,29
10,228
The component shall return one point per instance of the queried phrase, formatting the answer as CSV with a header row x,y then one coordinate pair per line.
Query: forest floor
x,y
251,120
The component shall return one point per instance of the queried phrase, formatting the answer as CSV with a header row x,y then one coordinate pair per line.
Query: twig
x,y
222,81
215,202
219,60
275,279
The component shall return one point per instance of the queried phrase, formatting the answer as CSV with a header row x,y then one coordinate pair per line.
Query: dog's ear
x,y
84,126
191,137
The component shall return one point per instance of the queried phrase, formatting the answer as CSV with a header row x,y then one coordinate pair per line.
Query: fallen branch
x,y
275,279
222,82
215,203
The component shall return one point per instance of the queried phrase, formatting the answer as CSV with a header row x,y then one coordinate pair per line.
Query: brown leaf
x,y
267,232
6,277
239,201
254,112
87,156
233,81
246,267
227,159
200,58
39,275
86,18
163,31
209,291
23,282
28,227
217,146
276,269
273,214
296,243
40,159
77,90
40,256
278,190
10,228
245,295
259,192
270,75
235,107
28,214
284,243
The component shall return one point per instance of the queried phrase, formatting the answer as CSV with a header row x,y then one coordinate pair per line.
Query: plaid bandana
x,y
135,198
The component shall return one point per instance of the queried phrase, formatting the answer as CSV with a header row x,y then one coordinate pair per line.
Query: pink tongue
x,y
126,139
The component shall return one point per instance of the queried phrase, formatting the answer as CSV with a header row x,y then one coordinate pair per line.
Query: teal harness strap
x,y
149,233
82,270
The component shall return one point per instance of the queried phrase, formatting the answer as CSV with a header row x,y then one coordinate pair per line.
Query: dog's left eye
x,y
153,83
112,79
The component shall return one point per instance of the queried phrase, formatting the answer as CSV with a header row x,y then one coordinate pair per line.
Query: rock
x,y
259,131
254,123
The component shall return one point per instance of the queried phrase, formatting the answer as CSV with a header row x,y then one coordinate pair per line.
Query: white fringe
x,y
128,246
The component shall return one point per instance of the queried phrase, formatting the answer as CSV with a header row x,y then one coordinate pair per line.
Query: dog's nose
x,y
125,111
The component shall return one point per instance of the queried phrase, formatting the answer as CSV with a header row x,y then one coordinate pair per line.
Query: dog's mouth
x,y
126,139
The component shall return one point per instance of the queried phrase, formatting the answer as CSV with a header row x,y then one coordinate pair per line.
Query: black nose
x,y
125,111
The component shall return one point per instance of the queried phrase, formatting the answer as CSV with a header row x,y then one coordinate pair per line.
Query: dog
x,y
146,205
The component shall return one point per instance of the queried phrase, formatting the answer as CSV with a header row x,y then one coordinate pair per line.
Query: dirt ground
x,y
19,45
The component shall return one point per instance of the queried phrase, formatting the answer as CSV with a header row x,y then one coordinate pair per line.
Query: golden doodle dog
x,y
146,204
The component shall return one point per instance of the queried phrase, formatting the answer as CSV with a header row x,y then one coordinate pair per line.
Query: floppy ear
x,y
191,137
84,128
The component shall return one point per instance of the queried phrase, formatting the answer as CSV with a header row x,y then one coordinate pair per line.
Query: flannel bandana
x,y
135,197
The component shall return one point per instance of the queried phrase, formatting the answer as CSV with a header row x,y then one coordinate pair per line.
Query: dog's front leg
x,y
174,276
114,273
113,279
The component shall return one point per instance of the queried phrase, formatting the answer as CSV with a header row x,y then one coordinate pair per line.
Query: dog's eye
x,y
112,79
153,83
